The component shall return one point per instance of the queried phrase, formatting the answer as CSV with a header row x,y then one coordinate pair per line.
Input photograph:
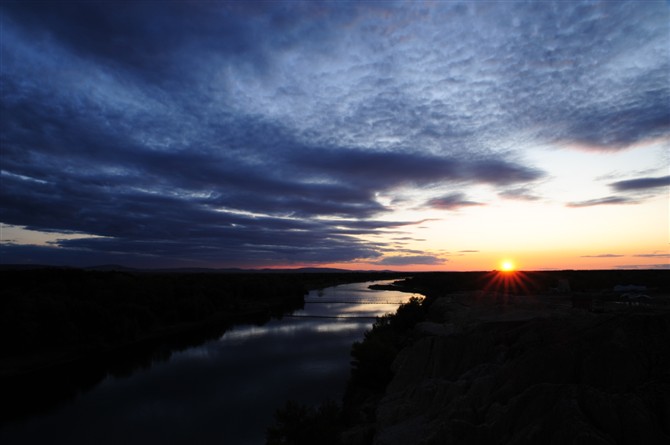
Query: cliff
x,y
487,369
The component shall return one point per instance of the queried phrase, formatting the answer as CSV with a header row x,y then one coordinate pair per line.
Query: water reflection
x,y
224,391
338,327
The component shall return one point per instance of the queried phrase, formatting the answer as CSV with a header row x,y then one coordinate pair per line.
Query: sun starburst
x,y
508,281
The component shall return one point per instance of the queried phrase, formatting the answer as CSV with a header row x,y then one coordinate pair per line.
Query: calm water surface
x,y
224,391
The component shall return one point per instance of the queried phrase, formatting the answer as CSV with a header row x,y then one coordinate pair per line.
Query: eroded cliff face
x,y
528,372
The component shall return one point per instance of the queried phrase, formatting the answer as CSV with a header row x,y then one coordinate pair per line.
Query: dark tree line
x,y
297,424
43,309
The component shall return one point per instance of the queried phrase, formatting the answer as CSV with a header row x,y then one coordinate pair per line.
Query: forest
x,y
62,330
43,310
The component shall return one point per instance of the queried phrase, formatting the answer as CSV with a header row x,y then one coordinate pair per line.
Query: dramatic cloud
x,y
260,133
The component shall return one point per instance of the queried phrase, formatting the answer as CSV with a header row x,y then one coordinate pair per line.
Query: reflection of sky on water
x,y
224,391
356,292
340,301
339,326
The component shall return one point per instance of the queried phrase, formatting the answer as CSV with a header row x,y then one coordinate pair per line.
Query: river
x,y
226,390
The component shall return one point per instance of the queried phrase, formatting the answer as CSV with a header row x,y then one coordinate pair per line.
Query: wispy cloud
x,y
603,255
632,187
523,194
641,183
408,260
609,200
453,201
643,266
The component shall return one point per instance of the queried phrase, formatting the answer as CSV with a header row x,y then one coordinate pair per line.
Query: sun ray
x,y
508,281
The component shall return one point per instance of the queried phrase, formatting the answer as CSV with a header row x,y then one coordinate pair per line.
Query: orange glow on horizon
x,y
598,258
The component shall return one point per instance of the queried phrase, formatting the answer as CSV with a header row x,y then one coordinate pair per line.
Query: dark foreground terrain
x,y
520,358
63,330
555,358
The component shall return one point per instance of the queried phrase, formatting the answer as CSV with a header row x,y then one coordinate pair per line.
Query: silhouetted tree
x,y
298,424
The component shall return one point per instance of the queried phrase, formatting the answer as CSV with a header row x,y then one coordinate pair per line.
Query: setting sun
x,y
507,266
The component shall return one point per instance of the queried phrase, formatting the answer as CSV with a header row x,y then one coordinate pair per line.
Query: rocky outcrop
x,y
526,373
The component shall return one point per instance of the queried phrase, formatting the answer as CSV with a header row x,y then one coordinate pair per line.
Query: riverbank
x,y
63,330
499,366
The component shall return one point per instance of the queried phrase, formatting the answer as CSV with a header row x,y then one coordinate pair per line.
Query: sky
x,y
426,135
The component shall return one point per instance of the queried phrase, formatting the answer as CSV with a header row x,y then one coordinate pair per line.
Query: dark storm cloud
x,y
609,200
641,183
452,201
263,132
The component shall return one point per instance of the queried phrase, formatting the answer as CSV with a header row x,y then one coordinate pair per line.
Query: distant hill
x,y
307,270
121,268
31,266
110,267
